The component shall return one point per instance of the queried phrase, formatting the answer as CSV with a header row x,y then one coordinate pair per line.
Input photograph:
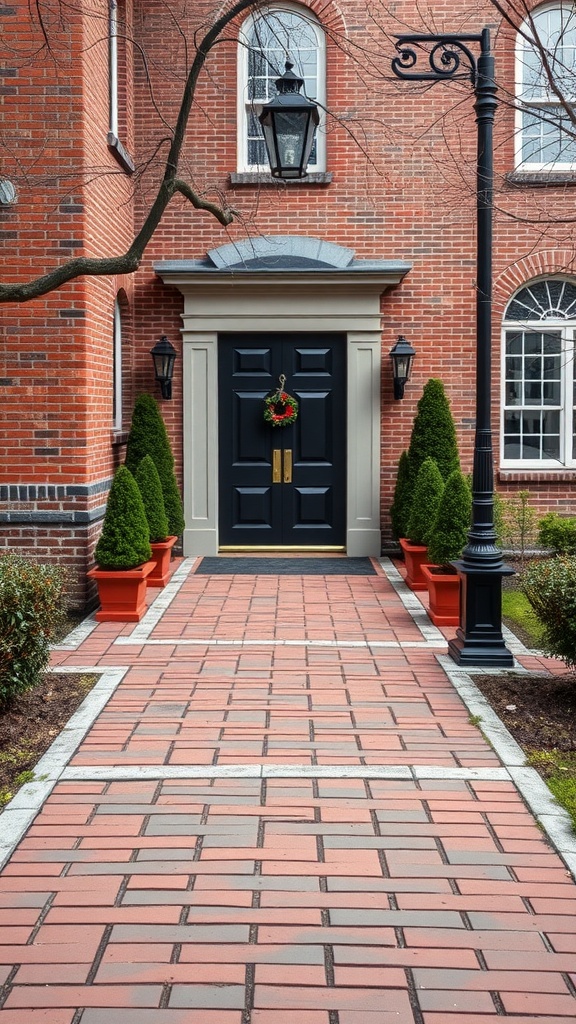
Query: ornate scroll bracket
x,y
448,57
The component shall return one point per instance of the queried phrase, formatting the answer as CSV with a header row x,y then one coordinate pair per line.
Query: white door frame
x,y
343,303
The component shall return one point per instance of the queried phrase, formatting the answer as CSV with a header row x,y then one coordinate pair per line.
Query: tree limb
x,y
128,262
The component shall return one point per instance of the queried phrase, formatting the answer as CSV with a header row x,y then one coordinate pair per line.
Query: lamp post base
x,y
479,640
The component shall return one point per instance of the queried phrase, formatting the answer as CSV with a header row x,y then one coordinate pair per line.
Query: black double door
x,y
284,485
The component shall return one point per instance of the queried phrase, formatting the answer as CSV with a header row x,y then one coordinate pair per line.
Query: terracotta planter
x,y
444,594
414,557
122,592
161,554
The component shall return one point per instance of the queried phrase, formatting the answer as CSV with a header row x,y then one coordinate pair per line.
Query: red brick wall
x,y
73,199
402,160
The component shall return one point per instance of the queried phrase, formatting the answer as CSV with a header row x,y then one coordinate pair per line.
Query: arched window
x,y
117,368
539,386
268,39
545,83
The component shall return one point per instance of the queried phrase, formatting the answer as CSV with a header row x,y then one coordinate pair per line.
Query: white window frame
x,y
117,368
244,104
567,330
113,73
547,101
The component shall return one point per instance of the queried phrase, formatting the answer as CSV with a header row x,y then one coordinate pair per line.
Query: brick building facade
x,y
315,277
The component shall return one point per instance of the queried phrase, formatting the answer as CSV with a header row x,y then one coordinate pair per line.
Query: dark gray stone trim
x,y
261,178
122,155
541,179
35,518
52,492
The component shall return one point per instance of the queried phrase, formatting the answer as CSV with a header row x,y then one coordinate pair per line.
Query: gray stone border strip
x,y
160,603
23,808
133,773
77,636
130,641
555,821
411,603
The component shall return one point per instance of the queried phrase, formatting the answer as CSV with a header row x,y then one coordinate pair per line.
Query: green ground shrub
x,y
425,503
558,533
31,610
148,436
550,586
125,539
151,490
448,536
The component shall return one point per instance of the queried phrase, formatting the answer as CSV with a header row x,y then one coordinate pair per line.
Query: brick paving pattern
x,y
283,899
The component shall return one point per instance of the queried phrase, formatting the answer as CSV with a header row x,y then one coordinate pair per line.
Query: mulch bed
x,y
539,711
32,722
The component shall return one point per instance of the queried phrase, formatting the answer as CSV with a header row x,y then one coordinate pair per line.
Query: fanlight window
x,y
539,388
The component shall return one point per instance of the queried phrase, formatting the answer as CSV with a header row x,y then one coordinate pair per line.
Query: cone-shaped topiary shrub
x,y
425,503
433,433
148,436
399,510
151,490
449,533
124,542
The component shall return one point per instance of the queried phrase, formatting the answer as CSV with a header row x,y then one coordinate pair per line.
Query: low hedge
x,y
31,609
550,586
558,533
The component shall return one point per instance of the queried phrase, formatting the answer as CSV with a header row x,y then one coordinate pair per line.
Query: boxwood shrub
x,y
558,533
550,586
31,609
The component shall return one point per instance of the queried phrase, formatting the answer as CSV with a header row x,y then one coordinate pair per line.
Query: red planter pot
x,y
161,554
122,592
444,595
414,557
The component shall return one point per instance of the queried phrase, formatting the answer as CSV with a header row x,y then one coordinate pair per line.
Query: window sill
x,y
521,475
118,438
263,178
121,154
541,179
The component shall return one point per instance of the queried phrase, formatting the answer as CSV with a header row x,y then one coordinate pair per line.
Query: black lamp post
x,y
479,639
164,356
289,123
402,356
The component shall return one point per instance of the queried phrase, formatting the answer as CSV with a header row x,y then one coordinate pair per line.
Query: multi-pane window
x,y
539,385
546,89
270,39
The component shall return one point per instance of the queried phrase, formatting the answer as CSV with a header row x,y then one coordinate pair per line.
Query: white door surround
x,y
260,292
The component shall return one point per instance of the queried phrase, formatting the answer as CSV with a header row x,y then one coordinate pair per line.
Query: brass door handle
x,y
277,466
287,465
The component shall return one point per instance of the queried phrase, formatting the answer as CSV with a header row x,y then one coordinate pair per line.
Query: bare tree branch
x,y
129,261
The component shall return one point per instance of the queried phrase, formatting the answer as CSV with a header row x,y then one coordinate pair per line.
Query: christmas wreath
x,y
280,408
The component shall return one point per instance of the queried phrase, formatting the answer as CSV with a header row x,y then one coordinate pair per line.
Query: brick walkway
x,y
282,815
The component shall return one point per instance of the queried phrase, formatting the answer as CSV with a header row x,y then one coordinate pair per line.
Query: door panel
x,y
306,506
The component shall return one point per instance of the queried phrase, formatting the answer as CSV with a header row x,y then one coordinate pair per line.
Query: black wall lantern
x,y
289,124
164,356
402,356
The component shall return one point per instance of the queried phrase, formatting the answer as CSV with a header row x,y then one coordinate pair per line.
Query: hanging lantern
x,y
289,124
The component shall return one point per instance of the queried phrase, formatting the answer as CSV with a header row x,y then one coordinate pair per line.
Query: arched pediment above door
x,y
282,251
